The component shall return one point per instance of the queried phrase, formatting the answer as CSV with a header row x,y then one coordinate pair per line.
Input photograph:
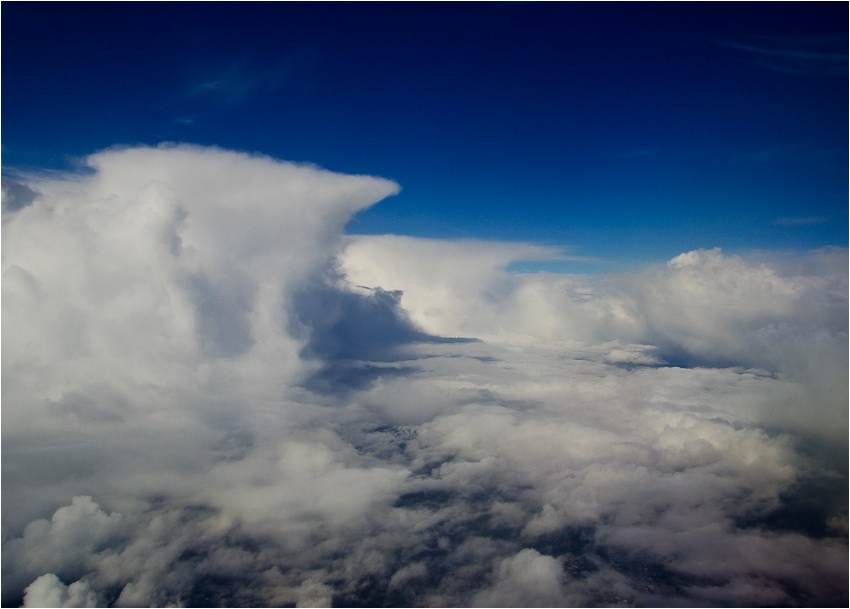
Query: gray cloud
x,y
343,324
49,591
358,334
198,411
223,323
16,195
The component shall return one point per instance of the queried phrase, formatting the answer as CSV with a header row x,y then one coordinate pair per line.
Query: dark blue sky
x,y
621,131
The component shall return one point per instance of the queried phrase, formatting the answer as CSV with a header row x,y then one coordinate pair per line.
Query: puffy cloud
x,y
213,397
65,544
49,591
442,282
161,265
702,308
526,579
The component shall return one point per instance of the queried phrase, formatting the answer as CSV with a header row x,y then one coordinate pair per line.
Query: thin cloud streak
x,y
796,55
237,82
801,221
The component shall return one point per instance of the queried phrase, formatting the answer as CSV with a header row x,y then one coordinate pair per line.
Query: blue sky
x,y
619,132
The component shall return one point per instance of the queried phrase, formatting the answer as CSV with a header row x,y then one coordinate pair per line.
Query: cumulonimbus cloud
x,y
212,396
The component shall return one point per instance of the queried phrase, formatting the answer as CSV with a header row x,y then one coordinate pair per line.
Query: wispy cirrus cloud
x,y
798,55
232,84
236,81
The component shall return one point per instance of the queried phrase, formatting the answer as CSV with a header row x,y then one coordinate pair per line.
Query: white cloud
x,y
48,591
442,281
155,269
201,406
701,308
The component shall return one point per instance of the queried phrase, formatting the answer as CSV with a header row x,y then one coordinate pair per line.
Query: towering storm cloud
x,y
212,396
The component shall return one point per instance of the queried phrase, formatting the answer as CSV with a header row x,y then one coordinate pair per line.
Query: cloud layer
x,y
211,396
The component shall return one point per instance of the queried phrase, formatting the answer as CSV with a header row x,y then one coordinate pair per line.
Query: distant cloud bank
x,y
212,396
